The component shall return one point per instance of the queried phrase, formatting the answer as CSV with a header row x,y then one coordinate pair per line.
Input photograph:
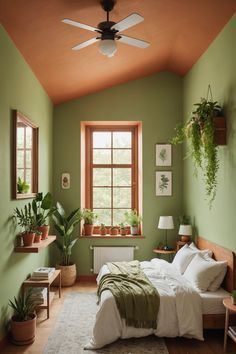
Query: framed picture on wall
x,y
65,181
163,183
163,155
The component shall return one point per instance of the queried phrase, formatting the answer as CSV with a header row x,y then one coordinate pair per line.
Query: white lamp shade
x,y
107,47
185,230
166,222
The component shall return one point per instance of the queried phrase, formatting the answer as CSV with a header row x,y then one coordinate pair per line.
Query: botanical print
x,y
65,181
163,154
163,183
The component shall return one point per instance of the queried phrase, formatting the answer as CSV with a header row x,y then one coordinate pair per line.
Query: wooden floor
x,y
213,343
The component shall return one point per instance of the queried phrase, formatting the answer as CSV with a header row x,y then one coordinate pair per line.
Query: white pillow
x,y
201,272
183,257
216,283
206,252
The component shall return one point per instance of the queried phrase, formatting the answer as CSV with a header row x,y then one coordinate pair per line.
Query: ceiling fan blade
x,y
128,22
86,43
134,41
80,25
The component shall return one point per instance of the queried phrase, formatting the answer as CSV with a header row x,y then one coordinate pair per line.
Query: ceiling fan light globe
x,y
107,47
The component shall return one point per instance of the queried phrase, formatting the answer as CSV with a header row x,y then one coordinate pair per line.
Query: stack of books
x,y
39,295
43,273
232,332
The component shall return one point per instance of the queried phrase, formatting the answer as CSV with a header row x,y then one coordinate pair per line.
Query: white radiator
x,y
101,255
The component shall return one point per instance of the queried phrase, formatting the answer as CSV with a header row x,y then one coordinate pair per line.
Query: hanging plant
x,y
199,131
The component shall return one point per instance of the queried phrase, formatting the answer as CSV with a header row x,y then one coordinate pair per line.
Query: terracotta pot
x,y
23,332
88,229
103,232
37,238
45,231
28,238
68,274
114,231
185,238
108,230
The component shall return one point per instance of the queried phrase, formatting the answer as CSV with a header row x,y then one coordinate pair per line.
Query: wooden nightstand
x,y
228,332
170,253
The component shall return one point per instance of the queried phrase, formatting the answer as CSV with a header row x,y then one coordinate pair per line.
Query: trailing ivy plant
x,y
199,133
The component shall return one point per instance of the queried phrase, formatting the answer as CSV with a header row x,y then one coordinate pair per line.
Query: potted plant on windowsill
x,y
23,322
122,229
103,230
89,218
26,220
43,208
65,226
133,219
114,230
22,186
199,131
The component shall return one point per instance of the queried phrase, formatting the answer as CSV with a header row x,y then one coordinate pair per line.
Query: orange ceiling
x,y
179,32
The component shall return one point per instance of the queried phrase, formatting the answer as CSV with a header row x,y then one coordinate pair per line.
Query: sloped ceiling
x,y
179,32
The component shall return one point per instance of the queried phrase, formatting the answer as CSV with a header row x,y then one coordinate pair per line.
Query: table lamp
x,y
185,231
166,223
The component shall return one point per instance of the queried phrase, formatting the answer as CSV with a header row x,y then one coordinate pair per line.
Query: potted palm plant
x,y
65,226
199,131
88,217
43,208
134,220
26,220
23,322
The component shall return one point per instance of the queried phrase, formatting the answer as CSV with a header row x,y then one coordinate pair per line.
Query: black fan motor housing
x,y
108,5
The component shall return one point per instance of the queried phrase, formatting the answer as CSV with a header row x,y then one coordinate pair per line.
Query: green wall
x,y
216,67
157,102
19,89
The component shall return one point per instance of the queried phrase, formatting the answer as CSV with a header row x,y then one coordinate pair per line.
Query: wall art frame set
x,y
163,178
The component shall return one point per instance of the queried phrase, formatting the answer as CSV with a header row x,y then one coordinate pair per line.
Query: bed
x,y
183,311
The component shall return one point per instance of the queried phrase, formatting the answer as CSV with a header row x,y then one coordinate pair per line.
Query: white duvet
x,y
180,312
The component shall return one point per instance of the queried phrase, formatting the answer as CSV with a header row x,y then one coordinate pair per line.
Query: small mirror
x,y
25,157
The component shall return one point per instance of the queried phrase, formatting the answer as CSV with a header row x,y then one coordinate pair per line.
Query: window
x,y
111,165
25,157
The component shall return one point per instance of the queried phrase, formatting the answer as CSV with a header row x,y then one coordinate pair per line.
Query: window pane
x,y
20,159
104,216
122,156
28,175
122,139
101,197
101,156
28,137
122,197
122,176
118,216
20,137
28,156
20,173
101,139
102,177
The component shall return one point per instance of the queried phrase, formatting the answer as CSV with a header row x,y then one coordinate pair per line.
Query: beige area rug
x,y
74,329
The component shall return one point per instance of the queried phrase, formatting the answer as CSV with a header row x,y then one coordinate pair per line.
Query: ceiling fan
x,y
108,31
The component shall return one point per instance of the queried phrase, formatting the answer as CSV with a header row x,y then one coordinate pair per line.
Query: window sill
x,y
113,236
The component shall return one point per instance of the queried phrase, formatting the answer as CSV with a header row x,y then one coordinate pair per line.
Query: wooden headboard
x,y
221,254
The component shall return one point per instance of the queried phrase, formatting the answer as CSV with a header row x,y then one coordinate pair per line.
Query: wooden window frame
x,y
20,118
86,160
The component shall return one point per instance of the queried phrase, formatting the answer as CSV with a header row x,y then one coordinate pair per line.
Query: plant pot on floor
x,y
45,231
23,332
28,238
68,274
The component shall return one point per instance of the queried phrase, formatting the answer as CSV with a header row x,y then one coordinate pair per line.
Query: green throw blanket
x,y
136,298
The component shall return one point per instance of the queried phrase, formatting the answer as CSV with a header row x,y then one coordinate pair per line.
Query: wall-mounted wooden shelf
x,y
36,247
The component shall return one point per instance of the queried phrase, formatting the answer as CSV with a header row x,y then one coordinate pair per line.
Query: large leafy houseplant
x,y
65,226
199,131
